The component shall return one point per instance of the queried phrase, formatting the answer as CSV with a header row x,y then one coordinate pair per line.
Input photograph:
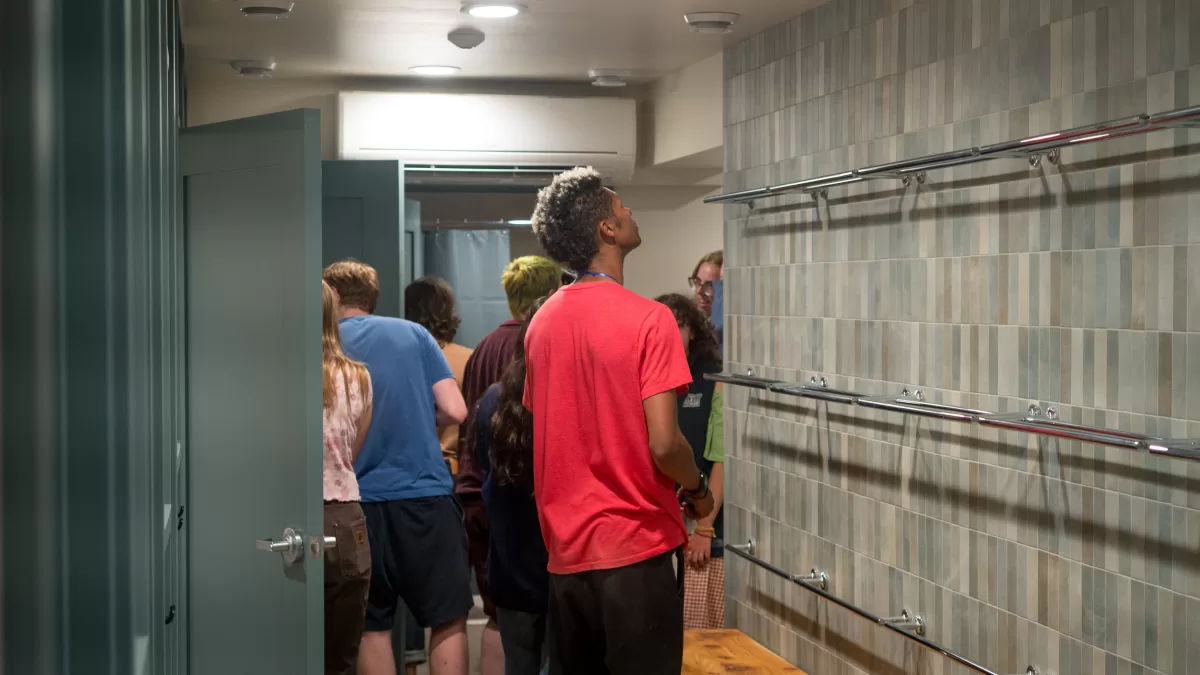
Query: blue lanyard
x,y
594,274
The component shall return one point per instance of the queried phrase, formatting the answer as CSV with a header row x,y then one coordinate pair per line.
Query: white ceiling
x,y
553,40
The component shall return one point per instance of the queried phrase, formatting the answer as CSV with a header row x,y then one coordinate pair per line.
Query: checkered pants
x,y
704,596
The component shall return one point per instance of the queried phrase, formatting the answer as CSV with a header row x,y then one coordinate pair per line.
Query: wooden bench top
x,y
726,652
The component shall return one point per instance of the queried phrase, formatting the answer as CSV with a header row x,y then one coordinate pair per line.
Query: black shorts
x,y
419,554
623,620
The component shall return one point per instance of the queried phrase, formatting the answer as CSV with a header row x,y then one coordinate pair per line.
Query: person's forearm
x,y
678,464
716,484
443,420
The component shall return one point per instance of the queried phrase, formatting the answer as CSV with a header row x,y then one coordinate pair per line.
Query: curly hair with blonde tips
x,y
567,214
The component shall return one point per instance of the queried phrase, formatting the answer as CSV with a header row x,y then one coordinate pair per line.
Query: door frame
x,y
89,217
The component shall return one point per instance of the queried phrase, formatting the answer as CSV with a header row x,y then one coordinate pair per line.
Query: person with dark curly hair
x,y
603,369
502,439
429,301
702,420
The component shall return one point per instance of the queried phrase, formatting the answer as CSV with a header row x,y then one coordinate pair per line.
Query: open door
x,y
363,218
252,207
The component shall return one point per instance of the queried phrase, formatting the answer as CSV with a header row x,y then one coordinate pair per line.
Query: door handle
x,y
318,545
291,545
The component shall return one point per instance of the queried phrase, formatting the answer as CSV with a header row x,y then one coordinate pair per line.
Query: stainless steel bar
x,y
1044,427
1187,117
1031,145
1183,448
807,391
916,404
913,407
918,162
906,621
742,380
854,609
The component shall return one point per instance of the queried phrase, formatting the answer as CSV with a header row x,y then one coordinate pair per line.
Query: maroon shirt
x,y
484,368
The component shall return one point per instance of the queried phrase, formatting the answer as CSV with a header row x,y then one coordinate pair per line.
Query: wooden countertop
x,y
721,652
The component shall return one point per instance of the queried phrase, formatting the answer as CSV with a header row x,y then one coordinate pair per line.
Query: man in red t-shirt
x,y
604,368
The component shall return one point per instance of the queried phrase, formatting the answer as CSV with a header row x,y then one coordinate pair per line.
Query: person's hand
x,y
699,549
698,508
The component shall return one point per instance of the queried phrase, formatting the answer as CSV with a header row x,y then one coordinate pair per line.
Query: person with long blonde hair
x,y
347,396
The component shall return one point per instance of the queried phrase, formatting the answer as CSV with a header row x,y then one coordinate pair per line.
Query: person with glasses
x,y
710,268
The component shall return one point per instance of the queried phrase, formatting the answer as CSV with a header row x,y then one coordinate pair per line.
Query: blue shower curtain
x,y
472,261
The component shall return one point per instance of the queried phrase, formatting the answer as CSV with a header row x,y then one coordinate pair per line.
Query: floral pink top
x,y
341,428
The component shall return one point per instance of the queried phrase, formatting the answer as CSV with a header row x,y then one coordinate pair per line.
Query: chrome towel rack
x,y
1032,148
907,624
1033,421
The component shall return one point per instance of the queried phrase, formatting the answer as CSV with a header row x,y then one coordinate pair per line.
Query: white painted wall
x,y
677,230
688,112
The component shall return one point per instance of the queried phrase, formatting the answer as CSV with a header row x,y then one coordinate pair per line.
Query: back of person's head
x,y
567,214
429,301
703,346
527,279
356,283
334,361
511,448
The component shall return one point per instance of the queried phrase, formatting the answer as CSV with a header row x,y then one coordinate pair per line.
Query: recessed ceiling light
x,y
711,23
520,222
492,10
435,71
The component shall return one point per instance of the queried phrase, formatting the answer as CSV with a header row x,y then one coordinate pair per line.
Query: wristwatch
x,y
701,490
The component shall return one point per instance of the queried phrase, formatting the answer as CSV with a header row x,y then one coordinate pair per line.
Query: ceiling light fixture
x,y
466,38
525,221
608,78
253,68
435,71
492,10
265,9
711,23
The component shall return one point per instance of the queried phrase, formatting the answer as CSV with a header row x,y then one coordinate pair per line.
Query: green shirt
x,y
714,445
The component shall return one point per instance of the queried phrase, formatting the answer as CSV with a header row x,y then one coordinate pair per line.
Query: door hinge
x,y
170,615
179,525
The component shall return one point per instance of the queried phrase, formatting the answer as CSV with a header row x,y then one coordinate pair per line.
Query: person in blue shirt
x,y
414,525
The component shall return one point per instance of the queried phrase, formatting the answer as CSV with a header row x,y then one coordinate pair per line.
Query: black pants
x,y
623,621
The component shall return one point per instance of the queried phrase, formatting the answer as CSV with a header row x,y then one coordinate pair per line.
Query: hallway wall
x,y
992,286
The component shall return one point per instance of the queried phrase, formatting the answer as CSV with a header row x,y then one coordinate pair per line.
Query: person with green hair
x,y
526,280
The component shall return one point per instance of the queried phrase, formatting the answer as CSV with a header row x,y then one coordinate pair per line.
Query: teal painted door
x,y
414,242
363,217
252,209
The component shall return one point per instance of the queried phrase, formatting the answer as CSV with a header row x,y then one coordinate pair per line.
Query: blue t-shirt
x,y
402,457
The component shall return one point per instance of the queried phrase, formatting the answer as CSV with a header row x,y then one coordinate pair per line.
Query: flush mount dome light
x,y
435,71
711,23
492,10
608,78
265,9
253,68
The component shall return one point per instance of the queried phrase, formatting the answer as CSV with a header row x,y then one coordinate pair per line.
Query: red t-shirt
x,y
594,352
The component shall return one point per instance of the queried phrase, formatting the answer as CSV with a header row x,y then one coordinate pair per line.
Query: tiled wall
x,y
994,286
